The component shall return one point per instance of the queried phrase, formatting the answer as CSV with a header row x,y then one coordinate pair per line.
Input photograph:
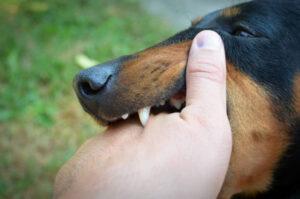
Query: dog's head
x,y
262,44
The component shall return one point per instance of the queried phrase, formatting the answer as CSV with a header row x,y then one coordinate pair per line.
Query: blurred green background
x,y
41,122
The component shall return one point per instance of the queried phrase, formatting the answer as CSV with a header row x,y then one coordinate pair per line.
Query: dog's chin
x,y
175,104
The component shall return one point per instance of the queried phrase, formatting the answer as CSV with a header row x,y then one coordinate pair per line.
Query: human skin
x,y
178,155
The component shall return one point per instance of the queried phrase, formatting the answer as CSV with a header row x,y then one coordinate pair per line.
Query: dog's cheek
x,y
260,138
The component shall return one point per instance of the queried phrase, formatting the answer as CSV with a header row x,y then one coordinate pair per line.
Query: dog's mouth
x,y
174,104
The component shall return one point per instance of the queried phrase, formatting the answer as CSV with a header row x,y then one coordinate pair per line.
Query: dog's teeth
x,y
162,103
125,116
177,103
144,115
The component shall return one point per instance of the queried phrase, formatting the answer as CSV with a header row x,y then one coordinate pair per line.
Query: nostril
x,y
89,89
90,85
91,82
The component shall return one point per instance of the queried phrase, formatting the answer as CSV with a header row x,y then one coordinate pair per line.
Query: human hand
x,y
178,155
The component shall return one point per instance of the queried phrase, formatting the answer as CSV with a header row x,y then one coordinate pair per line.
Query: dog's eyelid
x,y
242,26
242,29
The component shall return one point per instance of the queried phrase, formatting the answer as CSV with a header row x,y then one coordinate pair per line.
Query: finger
x,y
206,75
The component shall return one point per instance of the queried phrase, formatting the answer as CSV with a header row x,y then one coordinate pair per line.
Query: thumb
x,y
206,76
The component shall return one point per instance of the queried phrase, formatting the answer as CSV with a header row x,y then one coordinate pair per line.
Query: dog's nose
x,y
92,83
94,86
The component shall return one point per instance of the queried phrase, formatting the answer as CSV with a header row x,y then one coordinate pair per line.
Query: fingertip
x,y
208,39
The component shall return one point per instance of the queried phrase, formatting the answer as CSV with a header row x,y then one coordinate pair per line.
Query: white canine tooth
x,y
144,115
177,103
125,116
162,103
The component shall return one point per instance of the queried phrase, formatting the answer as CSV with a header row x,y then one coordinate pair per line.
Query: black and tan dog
x,y
262,41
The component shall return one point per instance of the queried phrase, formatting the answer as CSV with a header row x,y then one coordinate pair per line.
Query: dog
x,y
262,43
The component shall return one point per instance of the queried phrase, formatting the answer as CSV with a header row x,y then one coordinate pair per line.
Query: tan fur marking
x,y
196,20
259,138
297,94
231,12
157,67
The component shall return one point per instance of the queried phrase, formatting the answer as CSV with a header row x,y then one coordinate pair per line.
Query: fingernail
x,y
209,40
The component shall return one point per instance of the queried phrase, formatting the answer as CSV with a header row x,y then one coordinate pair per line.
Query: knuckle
x,y
208,70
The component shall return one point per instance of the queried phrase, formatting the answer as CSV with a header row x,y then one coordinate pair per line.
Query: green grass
x,y
41,123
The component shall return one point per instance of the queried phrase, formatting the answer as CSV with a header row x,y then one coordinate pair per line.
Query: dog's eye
x,y
243,32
